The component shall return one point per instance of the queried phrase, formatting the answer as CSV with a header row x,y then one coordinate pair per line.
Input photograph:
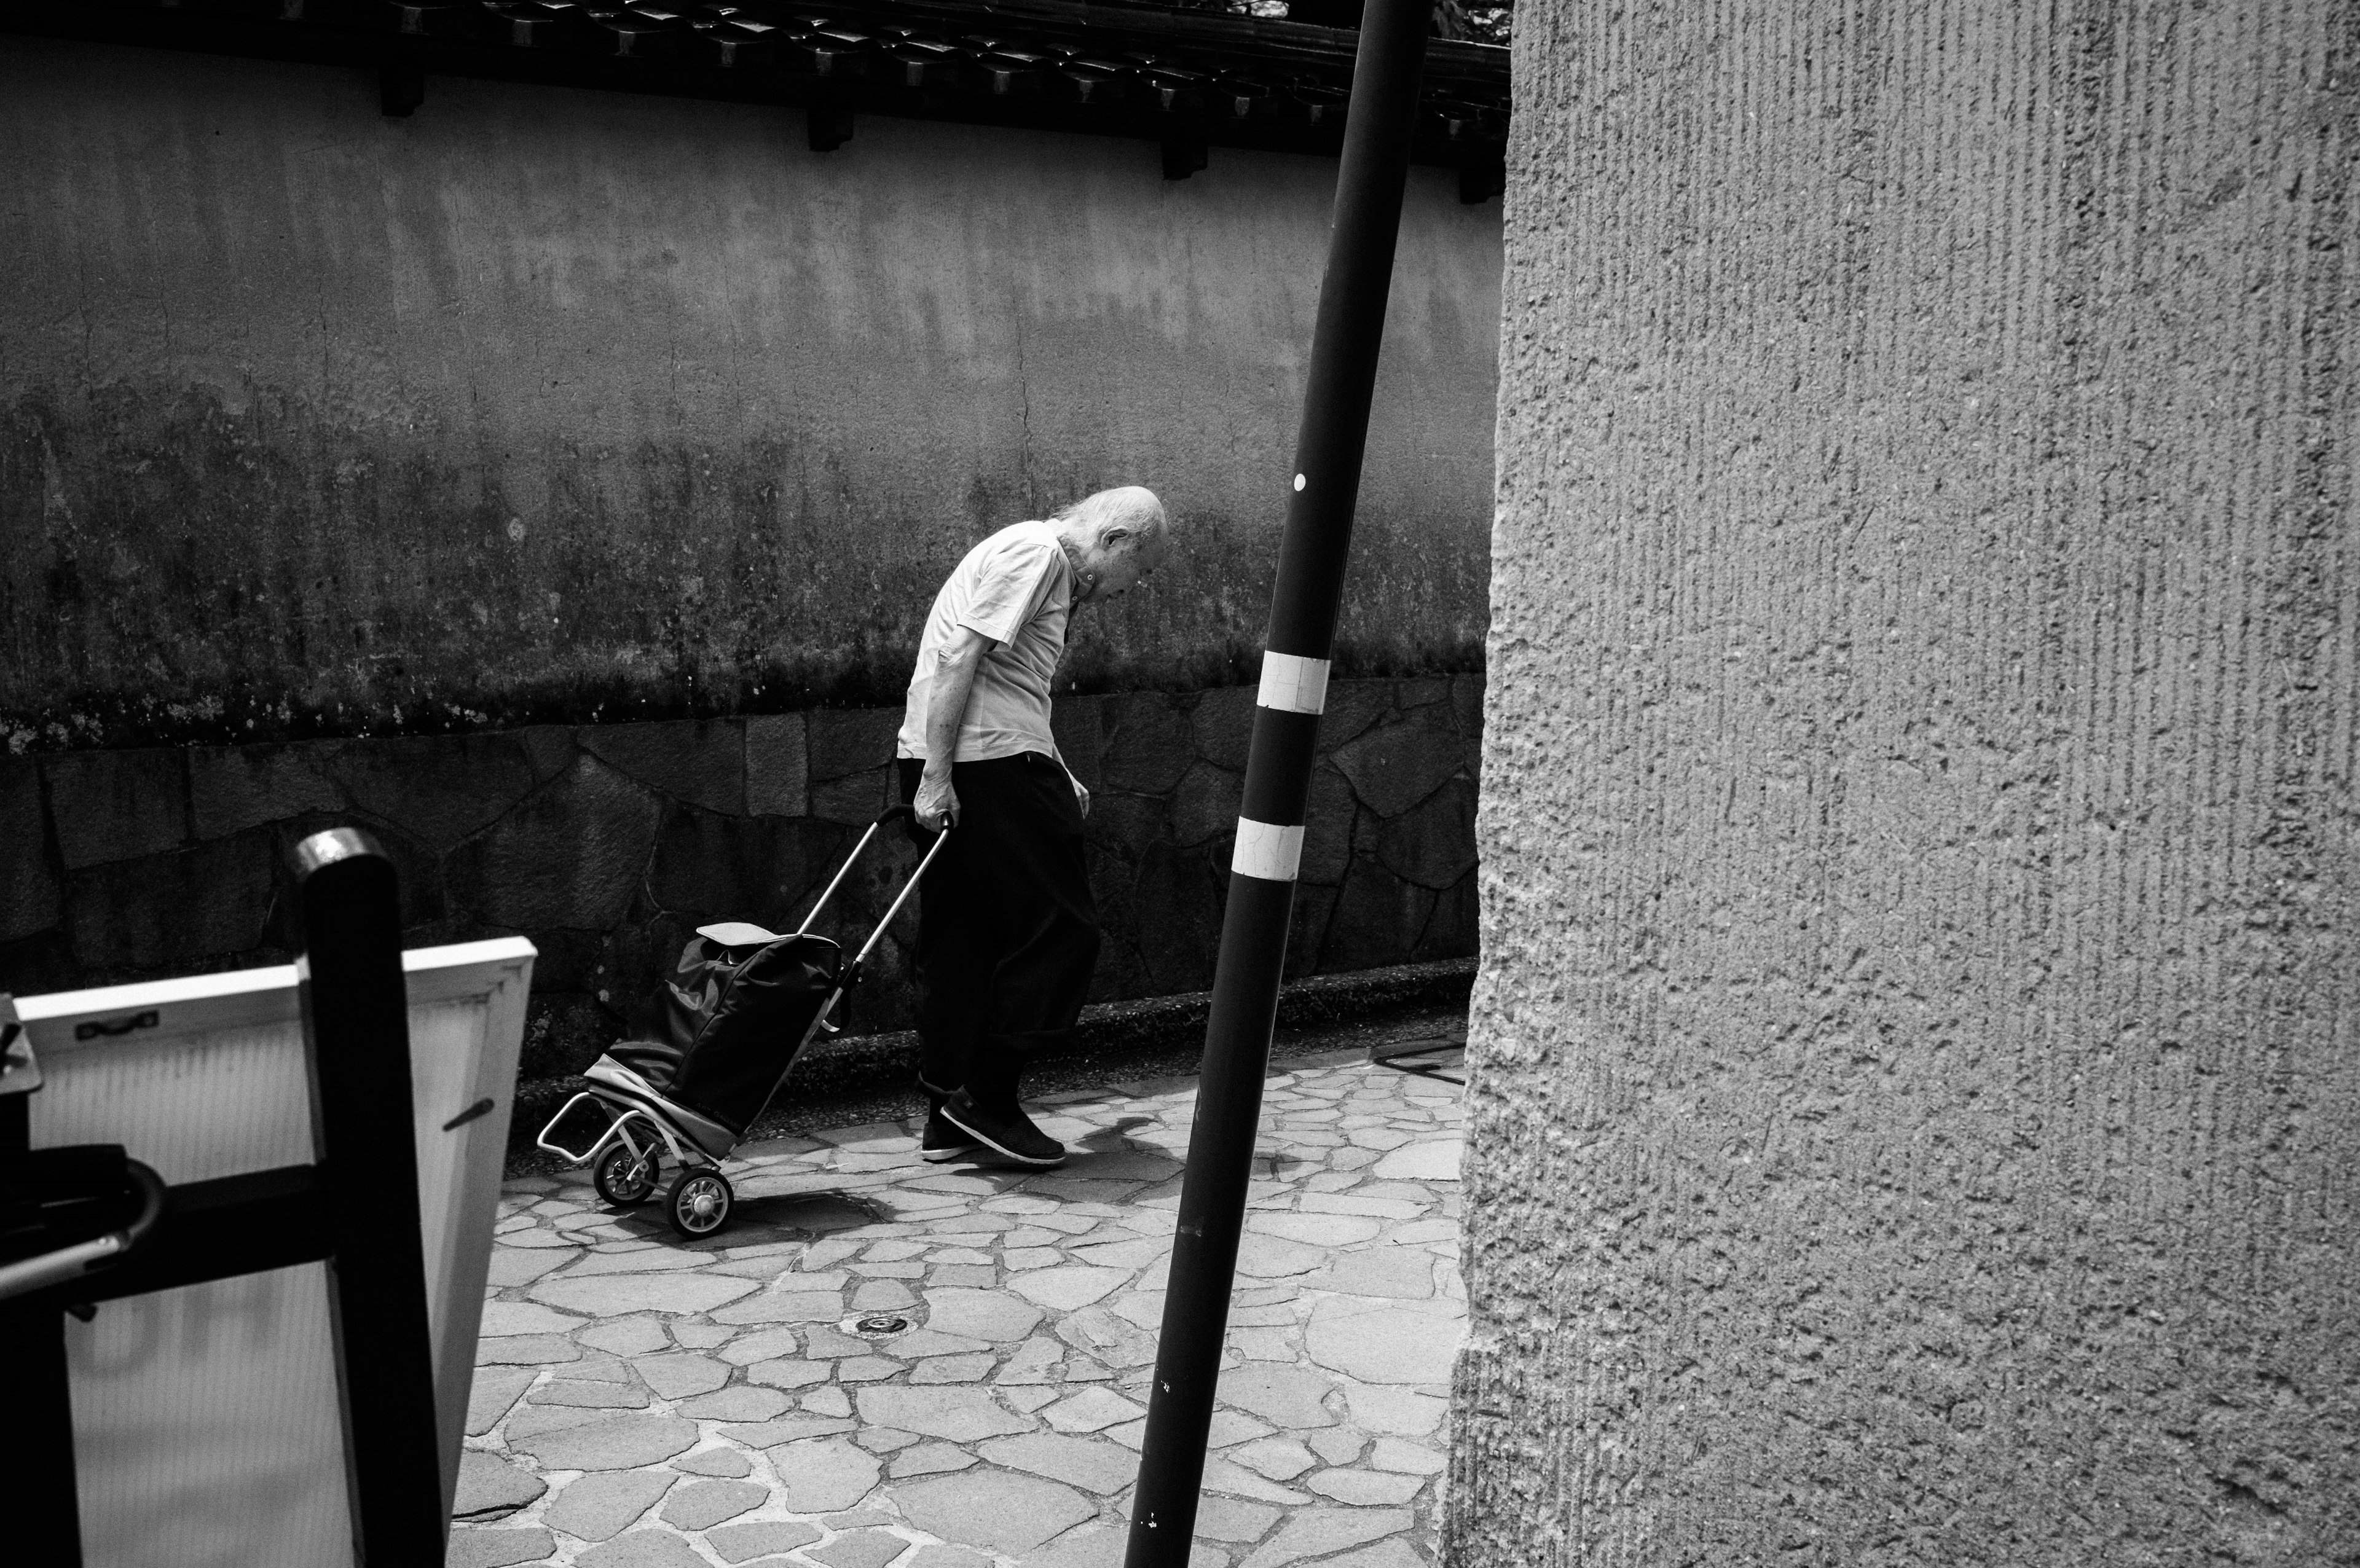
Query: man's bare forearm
x,y
946,698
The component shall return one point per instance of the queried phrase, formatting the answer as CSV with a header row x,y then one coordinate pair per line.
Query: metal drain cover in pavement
x,y
884,1325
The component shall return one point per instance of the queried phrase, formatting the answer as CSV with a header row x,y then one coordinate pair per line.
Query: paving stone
x,y
980,1314
526,1350
1403,1412
614,1295
737,1542
993,1510
1365,1487
787,1374
792,1306
1384,1554
613,1259
1234,1518
588,1395
1027,1399
490,1486
1283,1396
1223,1475
925,1342
1092,1410
929,1459
738,1404
1436,1160
1035,1361
1107,1338
1400,1273
952,1369
620,1442
1270,1257
1276,1458
627,1337
782,1428
496,1548
954,1414
1027,1258
861,1549
1409,1458
729,1463
828,1402
700,1505
1336,1444
494,1392
867,1369
502,1318
1093,1466
761,1345
1419,1232
1084,1546
941,1556
682,1374
601,1503
883,1439
1386,1342
512,1264
530,1421
1316,1230
642,1549
883,1296
822,1475
1315,1532
823,1343
1235,1426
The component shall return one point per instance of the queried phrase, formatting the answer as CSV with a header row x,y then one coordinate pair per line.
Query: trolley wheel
x,y
619,1183
699,1203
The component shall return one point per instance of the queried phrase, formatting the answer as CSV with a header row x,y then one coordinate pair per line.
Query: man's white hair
x,y
1133,506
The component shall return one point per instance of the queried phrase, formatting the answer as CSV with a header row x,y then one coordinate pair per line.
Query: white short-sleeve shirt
x,y
1017,589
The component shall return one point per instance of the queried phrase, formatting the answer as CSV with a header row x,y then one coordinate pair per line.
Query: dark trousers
x,y
1008,932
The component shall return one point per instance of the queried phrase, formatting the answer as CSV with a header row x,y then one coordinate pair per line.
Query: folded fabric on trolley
x,y
725,1028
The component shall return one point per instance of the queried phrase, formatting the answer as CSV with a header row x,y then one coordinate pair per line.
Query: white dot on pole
x,y
1298,482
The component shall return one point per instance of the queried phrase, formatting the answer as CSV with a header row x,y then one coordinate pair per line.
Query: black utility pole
x,y
1377,131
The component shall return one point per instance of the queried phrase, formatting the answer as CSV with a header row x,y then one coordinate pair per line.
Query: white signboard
x,y
207,1424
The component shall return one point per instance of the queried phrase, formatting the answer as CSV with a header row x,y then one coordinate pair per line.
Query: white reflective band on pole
x,y
1294,685
1267,851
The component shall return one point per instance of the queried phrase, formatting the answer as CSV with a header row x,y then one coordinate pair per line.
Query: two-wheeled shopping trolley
x,y
739,1008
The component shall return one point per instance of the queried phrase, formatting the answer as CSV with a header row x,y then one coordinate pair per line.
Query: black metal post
x,y
356,1034
1350,327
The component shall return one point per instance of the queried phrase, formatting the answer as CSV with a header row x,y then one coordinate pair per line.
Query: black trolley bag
x,y
719,1040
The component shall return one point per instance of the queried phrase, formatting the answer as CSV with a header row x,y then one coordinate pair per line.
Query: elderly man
x,y
1008,932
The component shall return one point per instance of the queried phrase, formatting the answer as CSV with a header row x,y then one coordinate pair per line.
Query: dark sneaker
x,y
1009,1132
943,1141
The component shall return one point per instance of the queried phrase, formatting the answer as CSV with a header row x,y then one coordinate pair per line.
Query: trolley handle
x,y
902,898
71,1263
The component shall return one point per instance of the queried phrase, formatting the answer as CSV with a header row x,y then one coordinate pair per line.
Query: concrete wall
x,y
1916,1057
607,844
556,404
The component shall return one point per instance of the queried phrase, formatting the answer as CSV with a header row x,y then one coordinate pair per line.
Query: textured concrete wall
x,y
557,404
1916,1059
607,844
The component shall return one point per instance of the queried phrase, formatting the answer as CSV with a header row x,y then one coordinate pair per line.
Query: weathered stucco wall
x,y
1916,1057
556,404
607,844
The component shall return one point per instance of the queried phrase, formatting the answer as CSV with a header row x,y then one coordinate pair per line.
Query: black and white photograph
x,y
1180,784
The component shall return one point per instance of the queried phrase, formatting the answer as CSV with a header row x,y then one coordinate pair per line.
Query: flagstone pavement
x,y
644,1403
